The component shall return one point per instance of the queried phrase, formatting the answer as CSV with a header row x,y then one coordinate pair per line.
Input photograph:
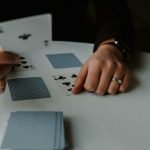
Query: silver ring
x,y
117,80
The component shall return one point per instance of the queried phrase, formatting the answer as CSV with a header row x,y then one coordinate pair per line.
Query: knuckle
x,y
121,66
110,64
95,63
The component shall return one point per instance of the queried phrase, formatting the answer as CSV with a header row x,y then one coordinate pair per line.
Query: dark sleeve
x,y
113,20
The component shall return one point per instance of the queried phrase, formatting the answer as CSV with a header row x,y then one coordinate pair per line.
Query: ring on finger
x,y
117,80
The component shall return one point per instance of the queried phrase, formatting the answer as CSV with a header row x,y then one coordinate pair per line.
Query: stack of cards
x,y
32,130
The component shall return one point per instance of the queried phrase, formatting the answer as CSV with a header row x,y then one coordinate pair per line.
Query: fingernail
x,y
99,93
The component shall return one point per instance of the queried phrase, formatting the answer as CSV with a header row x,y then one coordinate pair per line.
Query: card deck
x,y
36,130
64,60
27,88
65,82
26,34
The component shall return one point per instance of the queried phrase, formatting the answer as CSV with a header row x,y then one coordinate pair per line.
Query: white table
x,y
120,122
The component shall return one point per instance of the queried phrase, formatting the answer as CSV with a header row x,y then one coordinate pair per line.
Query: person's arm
x,y
105,71
113,20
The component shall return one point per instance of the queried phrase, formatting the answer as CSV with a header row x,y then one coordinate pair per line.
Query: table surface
x,y
92,122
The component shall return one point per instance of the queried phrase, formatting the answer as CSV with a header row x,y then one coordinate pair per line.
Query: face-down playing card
x,y
65,81
27,88
35,130
26,34
64,60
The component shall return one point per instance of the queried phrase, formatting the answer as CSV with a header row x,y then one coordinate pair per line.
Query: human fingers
x,y
79,82
125,82
117,78
2,84
8,58
106,75
4,70
93,75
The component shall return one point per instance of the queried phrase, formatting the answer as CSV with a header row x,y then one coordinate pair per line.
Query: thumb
x,y
8,58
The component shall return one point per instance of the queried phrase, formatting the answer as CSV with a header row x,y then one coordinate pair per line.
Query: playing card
x,y
65,82
25,64
64,60
27,88
26,34
43,130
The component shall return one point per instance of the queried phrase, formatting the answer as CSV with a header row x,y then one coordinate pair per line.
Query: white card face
x,y
65,82
25,64
26,34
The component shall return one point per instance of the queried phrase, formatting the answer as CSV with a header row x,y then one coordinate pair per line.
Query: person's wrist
x,y
110,49
120,45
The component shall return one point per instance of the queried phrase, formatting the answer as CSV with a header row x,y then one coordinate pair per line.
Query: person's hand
x,y
104,72
7,60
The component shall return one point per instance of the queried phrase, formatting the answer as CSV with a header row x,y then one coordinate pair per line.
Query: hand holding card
x,y
36,130
7,60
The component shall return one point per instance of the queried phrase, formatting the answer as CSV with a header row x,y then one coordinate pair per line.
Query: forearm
x,y
113,19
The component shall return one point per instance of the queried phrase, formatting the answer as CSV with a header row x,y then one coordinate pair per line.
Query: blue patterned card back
x,y
27,88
